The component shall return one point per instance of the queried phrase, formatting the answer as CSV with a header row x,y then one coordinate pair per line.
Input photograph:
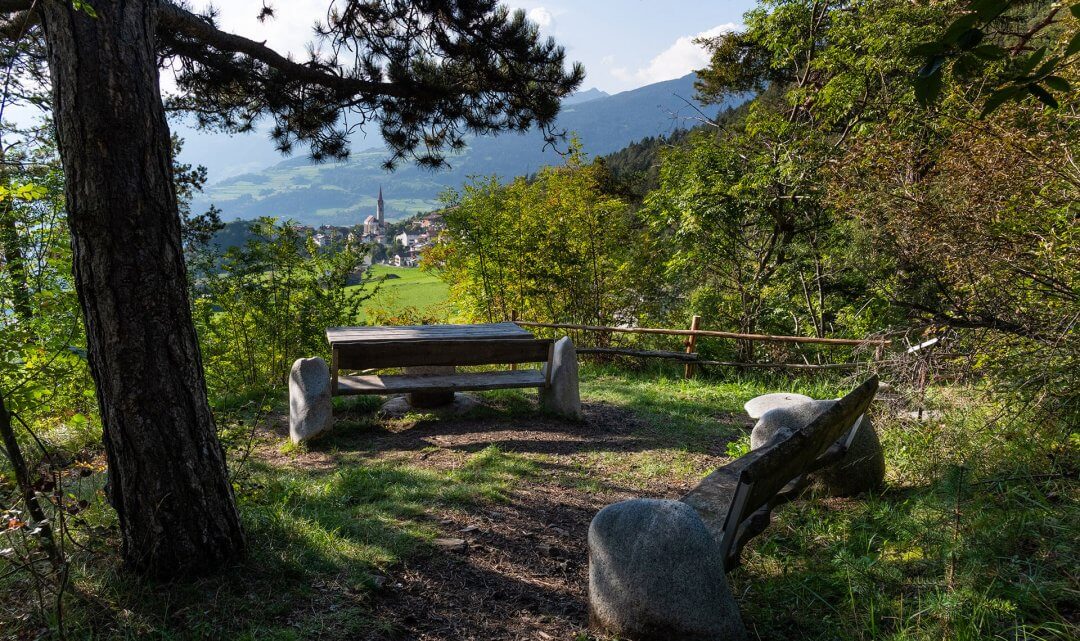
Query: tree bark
x,y
167,476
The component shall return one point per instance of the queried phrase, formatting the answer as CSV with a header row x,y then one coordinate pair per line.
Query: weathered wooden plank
x,y
714,334
336,335
482,381
443,352
804,366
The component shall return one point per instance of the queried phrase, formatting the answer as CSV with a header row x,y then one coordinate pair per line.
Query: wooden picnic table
x,y
445,346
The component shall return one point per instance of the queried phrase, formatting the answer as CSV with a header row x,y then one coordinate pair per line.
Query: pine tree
x,y
427,72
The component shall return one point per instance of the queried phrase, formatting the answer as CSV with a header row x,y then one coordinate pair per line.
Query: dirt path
x,y
522,572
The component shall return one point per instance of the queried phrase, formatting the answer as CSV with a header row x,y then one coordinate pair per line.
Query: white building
x,y
371,226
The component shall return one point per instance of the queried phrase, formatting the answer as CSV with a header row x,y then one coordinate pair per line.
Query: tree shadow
x,y
606,427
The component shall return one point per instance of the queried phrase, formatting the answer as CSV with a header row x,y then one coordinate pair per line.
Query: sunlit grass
x,y
983,551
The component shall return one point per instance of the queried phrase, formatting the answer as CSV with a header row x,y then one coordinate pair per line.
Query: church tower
x,y
380,212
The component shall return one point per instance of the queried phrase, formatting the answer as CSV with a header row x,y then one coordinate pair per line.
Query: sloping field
x,y
405,291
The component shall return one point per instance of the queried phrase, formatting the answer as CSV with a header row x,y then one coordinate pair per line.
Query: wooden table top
x,y
343,335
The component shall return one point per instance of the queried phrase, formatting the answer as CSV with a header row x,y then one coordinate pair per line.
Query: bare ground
x,y
522,571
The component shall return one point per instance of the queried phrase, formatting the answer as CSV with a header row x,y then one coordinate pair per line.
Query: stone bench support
x,y
310,410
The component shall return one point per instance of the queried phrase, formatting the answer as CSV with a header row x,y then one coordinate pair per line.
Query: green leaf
x,y
1048,66
1074,45
928,88
927,49
959,27
1025,65
85,7
1075,10
1057,83
997,99
969,38
932,66
1043,95
989,9
989,52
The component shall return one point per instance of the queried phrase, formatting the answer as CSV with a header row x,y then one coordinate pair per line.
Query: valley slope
x,y
344,193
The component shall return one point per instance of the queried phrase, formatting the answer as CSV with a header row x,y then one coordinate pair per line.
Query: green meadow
x,y
404,293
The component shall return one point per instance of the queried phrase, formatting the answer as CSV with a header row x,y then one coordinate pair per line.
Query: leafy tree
x,y
426,72
262,305
957,217
42,340
749,205
550,248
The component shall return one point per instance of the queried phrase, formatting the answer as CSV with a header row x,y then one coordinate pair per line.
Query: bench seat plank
x,y
345,335
407,384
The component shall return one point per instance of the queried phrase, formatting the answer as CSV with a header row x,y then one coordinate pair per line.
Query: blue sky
x,y
629,43
624,44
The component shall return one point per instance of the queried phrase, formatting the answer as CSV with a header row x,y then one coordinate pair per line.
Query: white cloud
x,y
676,61
541,16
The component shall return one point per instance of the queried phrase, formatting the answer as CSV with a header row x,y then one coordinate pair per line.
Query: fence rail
x,y
690,357
811,340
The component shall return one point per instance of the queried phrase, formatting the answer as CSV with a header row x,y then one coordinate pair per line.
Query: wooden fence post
x,y
691,343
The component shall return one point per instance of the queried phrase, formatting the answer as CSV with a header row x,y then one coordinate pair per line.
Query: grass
x,y
974,537
403,291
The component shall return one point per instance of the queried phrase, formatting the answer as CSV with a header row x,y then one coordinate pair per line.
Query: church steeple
x,y
380,212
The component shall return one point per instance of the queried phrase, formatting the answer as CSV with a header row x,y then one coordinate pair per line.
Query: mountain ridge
x,y
344,193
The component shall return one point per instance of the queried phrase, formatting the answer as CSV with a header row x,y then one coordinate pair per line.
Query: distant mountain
x,y
344,193
584,96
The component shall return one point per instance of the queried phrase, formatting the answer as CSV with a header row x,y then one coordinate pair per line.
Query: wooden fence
x,y
690,356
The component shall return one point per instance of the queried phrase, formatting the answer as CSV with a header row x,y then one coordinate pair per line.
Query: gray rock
x,y
862,470
428,400
563,397
310,410
784,421
757,406
400,407
655,573
450,544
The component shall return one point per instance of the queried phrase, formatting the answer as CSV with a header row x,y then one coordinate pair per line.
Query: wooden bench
x,y
657,567
436,346
736,500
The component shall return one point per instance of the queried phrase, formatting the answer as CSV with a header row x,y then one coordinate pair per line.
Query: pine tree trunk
x,y
167,476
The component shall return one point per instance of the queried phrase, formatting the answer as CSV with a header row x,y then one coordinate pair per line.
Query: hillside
x,y
342,193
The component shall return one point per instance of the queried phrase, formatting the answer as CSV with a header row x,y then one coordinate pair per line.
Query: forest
x,y
906,173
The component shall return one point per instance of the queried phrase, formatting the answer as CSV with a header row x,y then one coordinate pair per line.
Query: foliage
x,y
43,369
551,248
936,217
428,72
260,306
1011,40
